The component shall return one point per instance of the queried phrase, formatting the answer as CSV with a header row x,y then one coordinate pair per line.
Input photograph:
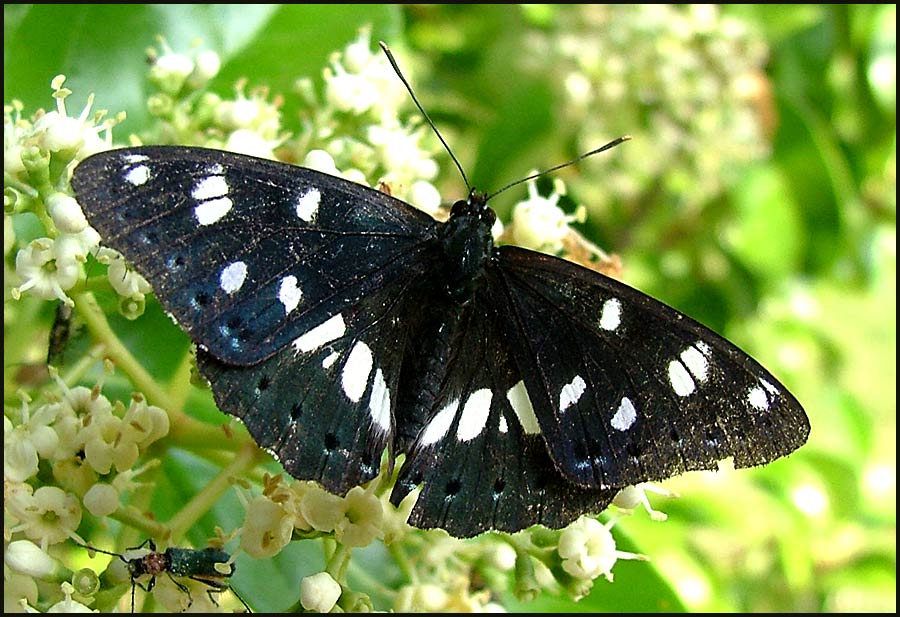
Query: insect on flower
x,y
210,566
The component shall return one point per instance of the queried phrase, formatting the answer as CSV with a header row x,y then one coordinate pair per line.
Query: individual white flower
x,y
253,112
45,275
588,549
24,445
126,281
145,423
25,557
106,444
362,519
267,528
348,92
631,497
319,592
56,131
49,515
318,508
400,153
539,223
69,605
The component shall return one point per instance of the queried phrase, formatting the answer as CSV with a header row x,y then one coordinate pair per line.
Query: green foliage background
x,y
814,222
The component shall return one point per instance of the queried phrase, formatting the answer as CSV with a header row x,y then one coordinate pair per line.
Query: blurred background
x,y
758,195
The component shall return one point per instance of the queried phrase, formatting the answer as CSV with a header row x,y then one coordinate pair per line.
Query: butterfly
x,y
338,322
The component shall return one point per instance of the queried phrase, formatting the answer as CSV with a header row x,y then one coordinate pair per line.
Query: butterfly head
x,y
475,205
467,243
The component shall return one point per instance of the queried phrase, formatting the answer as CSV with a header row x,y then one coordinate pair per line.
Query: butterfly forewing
x,y
247,254
626,389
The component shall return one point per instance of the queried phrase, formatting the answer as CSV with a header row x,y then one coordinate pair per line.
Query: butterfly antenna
x,y
612,144
409,89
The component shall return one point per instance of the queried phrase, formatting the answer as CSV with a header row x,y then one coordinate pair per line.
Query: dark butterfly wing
x,y
247,254
479,453
289,281
324,406
626,389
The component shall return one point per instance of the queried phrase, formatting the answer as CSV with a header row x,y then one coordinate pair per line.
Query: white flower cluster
x,y
696,100
38,155
271,519
91,446
359,132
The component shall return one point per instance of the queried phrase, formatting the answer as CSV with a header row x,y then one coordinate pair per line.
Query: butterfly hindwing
x,y
324,405
247,254
479,457
626,389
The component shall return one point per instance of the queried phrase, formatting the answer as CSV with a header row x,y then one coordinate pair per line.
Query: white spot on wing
x,y
209,212
440,424
289,294
757,398
357,369
696,362
210,187
503,427
611,316
380,402
233,276
772,389
625,416
138,175
308,205
680,379
571,393
474,414
135,158
325,332
211,191
330,359
521,404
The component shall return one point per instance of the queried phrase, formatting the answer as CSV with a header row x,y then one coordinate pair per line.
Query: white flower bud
x,y
321,161
25,557
101,499
249,142
424,196
207,65
319,592
66,213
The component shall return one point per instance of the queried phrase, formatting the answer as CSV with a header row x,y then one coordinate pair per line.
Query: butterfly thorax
x,y
467,245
